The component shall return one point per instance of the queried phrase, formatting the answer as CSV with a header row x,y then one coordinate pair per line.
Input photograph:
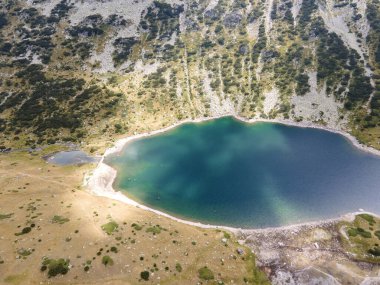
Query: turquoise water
x,y
248,175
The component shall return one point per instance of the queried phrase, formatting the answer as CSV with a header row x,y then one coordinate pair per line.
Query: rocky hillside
x,y
78,70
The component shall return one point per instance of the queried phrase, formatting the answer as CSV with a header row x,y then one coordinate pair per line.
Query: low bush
x,y
107,260
144,275
55,266
205,273
110,227
59,220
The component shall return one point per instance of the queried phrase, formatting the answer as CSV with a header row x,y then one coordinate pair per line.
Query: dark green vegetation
x,y
364,238
373,38
178,267
144,275
353,232
45,102
55,267
50,91
47,105
107,260
24,231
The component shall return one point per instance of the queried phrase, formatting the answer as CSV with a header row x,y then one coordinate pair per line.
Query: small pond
x,y
71,157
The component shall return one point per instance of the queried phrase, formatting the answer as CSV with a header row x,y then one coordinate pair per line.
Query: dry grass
x,y
35,192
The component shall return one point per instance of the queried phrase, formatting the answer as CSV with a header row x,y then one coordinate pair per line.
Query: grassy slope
x,y
228,55
34,192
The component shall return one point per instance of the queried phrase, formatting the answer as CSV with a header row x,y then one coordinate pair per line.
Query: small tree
x,y
144,275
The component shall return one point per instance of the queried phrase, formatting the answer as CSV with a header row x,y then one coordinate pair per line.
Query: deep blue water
x,y
249,175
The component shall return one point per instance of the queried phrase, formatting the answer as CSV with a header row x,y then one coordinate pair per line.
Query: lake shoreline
x,y
119,144
100,181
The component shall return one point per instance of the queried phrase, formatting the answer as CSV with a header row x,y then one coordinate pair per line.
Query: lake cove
x,y
226,172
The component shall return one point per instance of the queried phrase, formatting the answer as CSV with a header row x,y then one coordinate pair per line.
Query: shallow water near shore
x,y
71,157
226,172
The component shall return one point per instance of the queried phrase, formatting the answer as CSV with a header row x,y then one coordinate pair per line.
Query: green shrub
x,y
226,235
178,267
368,218
353,232
155,230
107,260
364,233
55,266
24,231
137,227
205,273
144,275
110,227
375,251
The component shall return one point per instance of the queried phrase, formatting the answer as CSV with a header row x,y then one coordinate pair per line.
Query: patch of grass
x,y
364,233
369,218
59,220
55,266
256,276
15,279
110,227
353,232
178,267
205,273
155,230
363,238
107,260
137,227
5,216
226,235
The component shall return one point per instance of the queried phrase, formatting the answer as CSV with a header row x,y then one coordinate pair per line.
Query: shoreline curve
x,y
100,181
